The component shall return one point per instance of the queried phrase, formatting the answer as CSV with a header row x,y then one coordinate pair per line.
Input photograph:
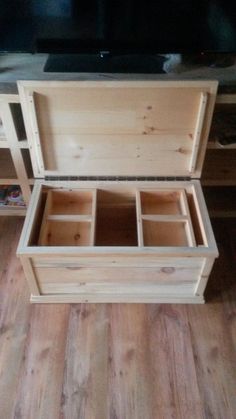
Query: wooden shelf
x,y
227,98
2,136
15,164
21,144
220,162
7,181
13,212
215,145
3,144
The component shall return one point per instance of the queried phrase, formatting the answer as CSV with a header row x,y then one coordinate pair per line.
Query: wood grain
x,y
117,128
86,363
130,387
117,361
118,212
41,375
175,391
14,313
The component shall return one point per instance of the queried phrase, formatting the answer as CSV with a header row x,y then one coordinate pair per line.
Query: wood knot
x,y
181,150
129,354
85,314
168,270
77,236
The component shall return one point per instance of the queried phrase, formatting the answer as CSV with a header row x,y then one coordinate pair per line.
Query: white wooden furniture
x,y
219,171
220,167
15,165
117,213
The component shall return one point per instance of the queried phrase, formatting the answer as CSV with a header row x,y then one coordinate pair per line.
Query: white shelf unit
x,y
220,162
225,104
15,165
219,172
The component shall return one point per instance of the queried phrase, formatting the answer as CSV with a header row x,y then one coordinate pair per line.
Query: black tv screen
x,y
159,26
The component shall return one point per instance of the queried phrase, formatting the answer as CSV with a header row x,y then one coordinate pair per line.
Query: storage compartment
x,y
164,233
116,223
68,218
71,202
101,217
113,220
11,200
163,202
57,233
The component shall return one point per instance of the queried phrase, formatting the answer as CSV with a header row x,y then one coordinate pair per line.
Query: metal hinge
x,y
118,178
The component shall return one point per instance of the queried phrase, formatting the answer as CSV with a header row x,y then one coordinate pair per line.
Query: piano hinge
x,y
118,178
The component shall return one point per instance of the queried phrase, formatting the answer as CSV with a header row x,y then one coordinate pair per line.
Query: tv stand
x,y
104,62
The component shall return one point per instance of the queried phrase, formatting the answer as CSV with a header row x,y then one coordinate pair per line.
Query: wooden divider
x,y
139,219
188,224
43,230
94,218
72,222
163,218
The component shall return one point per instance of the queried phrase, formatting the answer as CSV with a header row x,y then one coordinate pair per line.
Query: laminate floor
x,y
117,361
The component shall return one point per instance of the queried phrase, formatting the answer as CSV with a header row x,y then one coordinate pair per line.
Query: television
x,y
123,35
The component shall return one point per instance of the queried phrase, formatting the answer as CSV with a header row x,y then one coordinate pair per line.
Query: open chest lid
x,y
117,128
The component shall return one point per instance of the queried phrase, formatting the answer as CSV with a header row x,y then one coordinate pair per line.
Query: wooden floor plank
x,y
41,377
175,389
14,314
86,363
130,387
9,232
214,360
213,335
226,279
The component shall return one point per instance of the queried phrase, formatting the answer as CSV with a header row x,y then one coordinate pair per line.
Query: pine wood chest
x,y
117,212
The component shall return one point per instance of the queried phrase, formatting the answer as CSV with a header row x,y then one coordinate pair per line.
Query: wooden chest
x,y
117,213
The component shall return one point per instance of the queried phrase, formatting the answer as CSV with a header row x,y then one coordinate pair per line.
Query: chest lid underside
x,y
117,128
